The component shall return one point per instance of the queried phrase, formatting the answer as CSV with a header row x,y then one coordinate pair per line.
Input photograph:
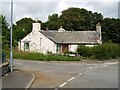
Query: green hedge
x,y
42,57
85,51
103,51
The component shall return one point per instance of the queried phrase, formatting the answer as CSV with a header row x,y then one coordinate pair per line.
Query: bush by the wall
x,y
103,51
85,51
106,51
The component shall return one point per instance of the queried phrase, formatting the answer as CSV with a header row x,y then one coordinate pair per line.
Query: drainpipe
x,y
40,44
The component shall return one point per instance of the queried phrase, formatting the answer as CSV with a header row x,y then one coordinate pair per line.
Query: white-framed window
x,y
58,48
26,46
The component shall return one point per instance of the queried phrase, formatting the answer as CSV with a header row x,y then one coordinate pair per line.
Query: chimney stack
x,y
61,29
36,26
46,29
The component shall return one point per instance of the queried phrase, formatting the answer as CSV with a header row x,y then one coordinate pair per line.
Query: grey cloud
x,y
6,10
39,10
119,9
108,9
35,9
42,9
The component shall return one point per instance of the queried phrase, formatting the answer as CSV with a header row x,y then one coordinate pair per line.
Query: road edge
x,y
31,81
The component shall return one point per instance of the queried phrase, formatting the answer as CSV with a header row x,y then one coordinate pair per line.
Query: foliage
x,y
74,19
79,19
103,51
111,30
22,28
5,32
85,51
53,22
106,51
40,56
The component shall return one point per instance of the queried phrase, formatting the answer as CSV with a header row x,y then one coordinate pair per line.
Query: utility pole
x,y
11,54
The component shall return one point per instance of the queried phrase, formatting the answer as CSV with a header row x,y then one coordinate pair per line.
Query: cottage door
x,y
64,48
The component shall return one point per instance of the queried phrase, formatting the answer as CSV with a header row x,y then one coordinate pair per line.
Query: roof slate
x,y
76,37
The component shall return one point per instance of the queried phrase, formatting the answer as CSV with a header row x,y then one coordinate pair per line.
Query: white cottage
x,y
58,41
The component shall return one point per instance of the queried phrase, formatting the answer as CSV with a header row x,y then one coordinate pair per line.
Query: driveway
x,y
70,74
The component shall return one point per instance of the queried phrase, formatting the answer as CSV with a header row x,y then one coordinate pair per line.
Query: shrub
x,y
106,51
103,51
40,56
85,51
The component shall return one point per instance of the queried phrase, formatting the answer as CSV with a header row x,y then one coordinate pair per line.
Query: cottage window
x,y
26,46
58,48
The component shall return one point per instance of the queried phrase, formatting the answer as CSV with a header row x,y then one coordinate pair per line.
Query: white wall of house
x,y
37,41
90,45
46,44
73,48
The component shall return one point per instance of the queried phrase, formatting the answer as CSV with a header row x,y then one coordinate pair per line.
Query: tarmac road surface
x,y
70,74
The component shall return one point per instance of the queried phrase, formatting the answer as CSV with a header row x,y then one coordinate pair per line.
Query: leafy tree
x,y
79,19
22,28
111,30
74,19
53,22
5,32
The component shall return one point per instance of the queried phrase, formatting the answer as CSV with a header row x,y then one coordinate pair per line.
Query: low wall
x,y
4,68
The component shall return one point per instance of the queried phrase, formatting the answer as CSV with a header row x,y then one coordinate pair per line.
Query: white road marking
x,y
90,67
105,65
96,66
87,71
79,74
71,79
63,84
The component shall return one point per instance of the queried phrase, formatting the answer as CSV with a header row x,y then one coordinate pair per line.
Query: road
x,y
70,74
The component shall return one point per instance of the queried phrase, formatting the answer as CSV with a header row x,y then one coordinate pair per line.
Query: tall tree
x,y
5,32
22,28
53,22
111,30
74,19
79,19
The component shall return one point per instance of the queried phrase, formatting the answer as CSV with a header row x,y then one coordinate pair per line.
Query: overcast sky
x,y
42,8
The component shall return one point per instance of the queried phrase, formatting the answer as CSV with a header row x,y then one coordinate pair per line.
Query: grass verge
x,y
41,57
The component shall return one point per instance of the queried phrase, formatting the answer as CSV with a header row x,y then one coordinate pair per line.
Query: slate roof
x,y
70,37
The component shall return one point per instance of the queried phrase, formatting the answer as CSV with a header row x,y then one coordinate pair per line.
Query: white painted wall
x,y
37,41
90,45
73,48
46,44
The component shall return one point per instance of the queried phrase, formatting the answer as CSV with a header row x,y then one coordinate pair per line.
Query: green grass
x,y
100,52
41,57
